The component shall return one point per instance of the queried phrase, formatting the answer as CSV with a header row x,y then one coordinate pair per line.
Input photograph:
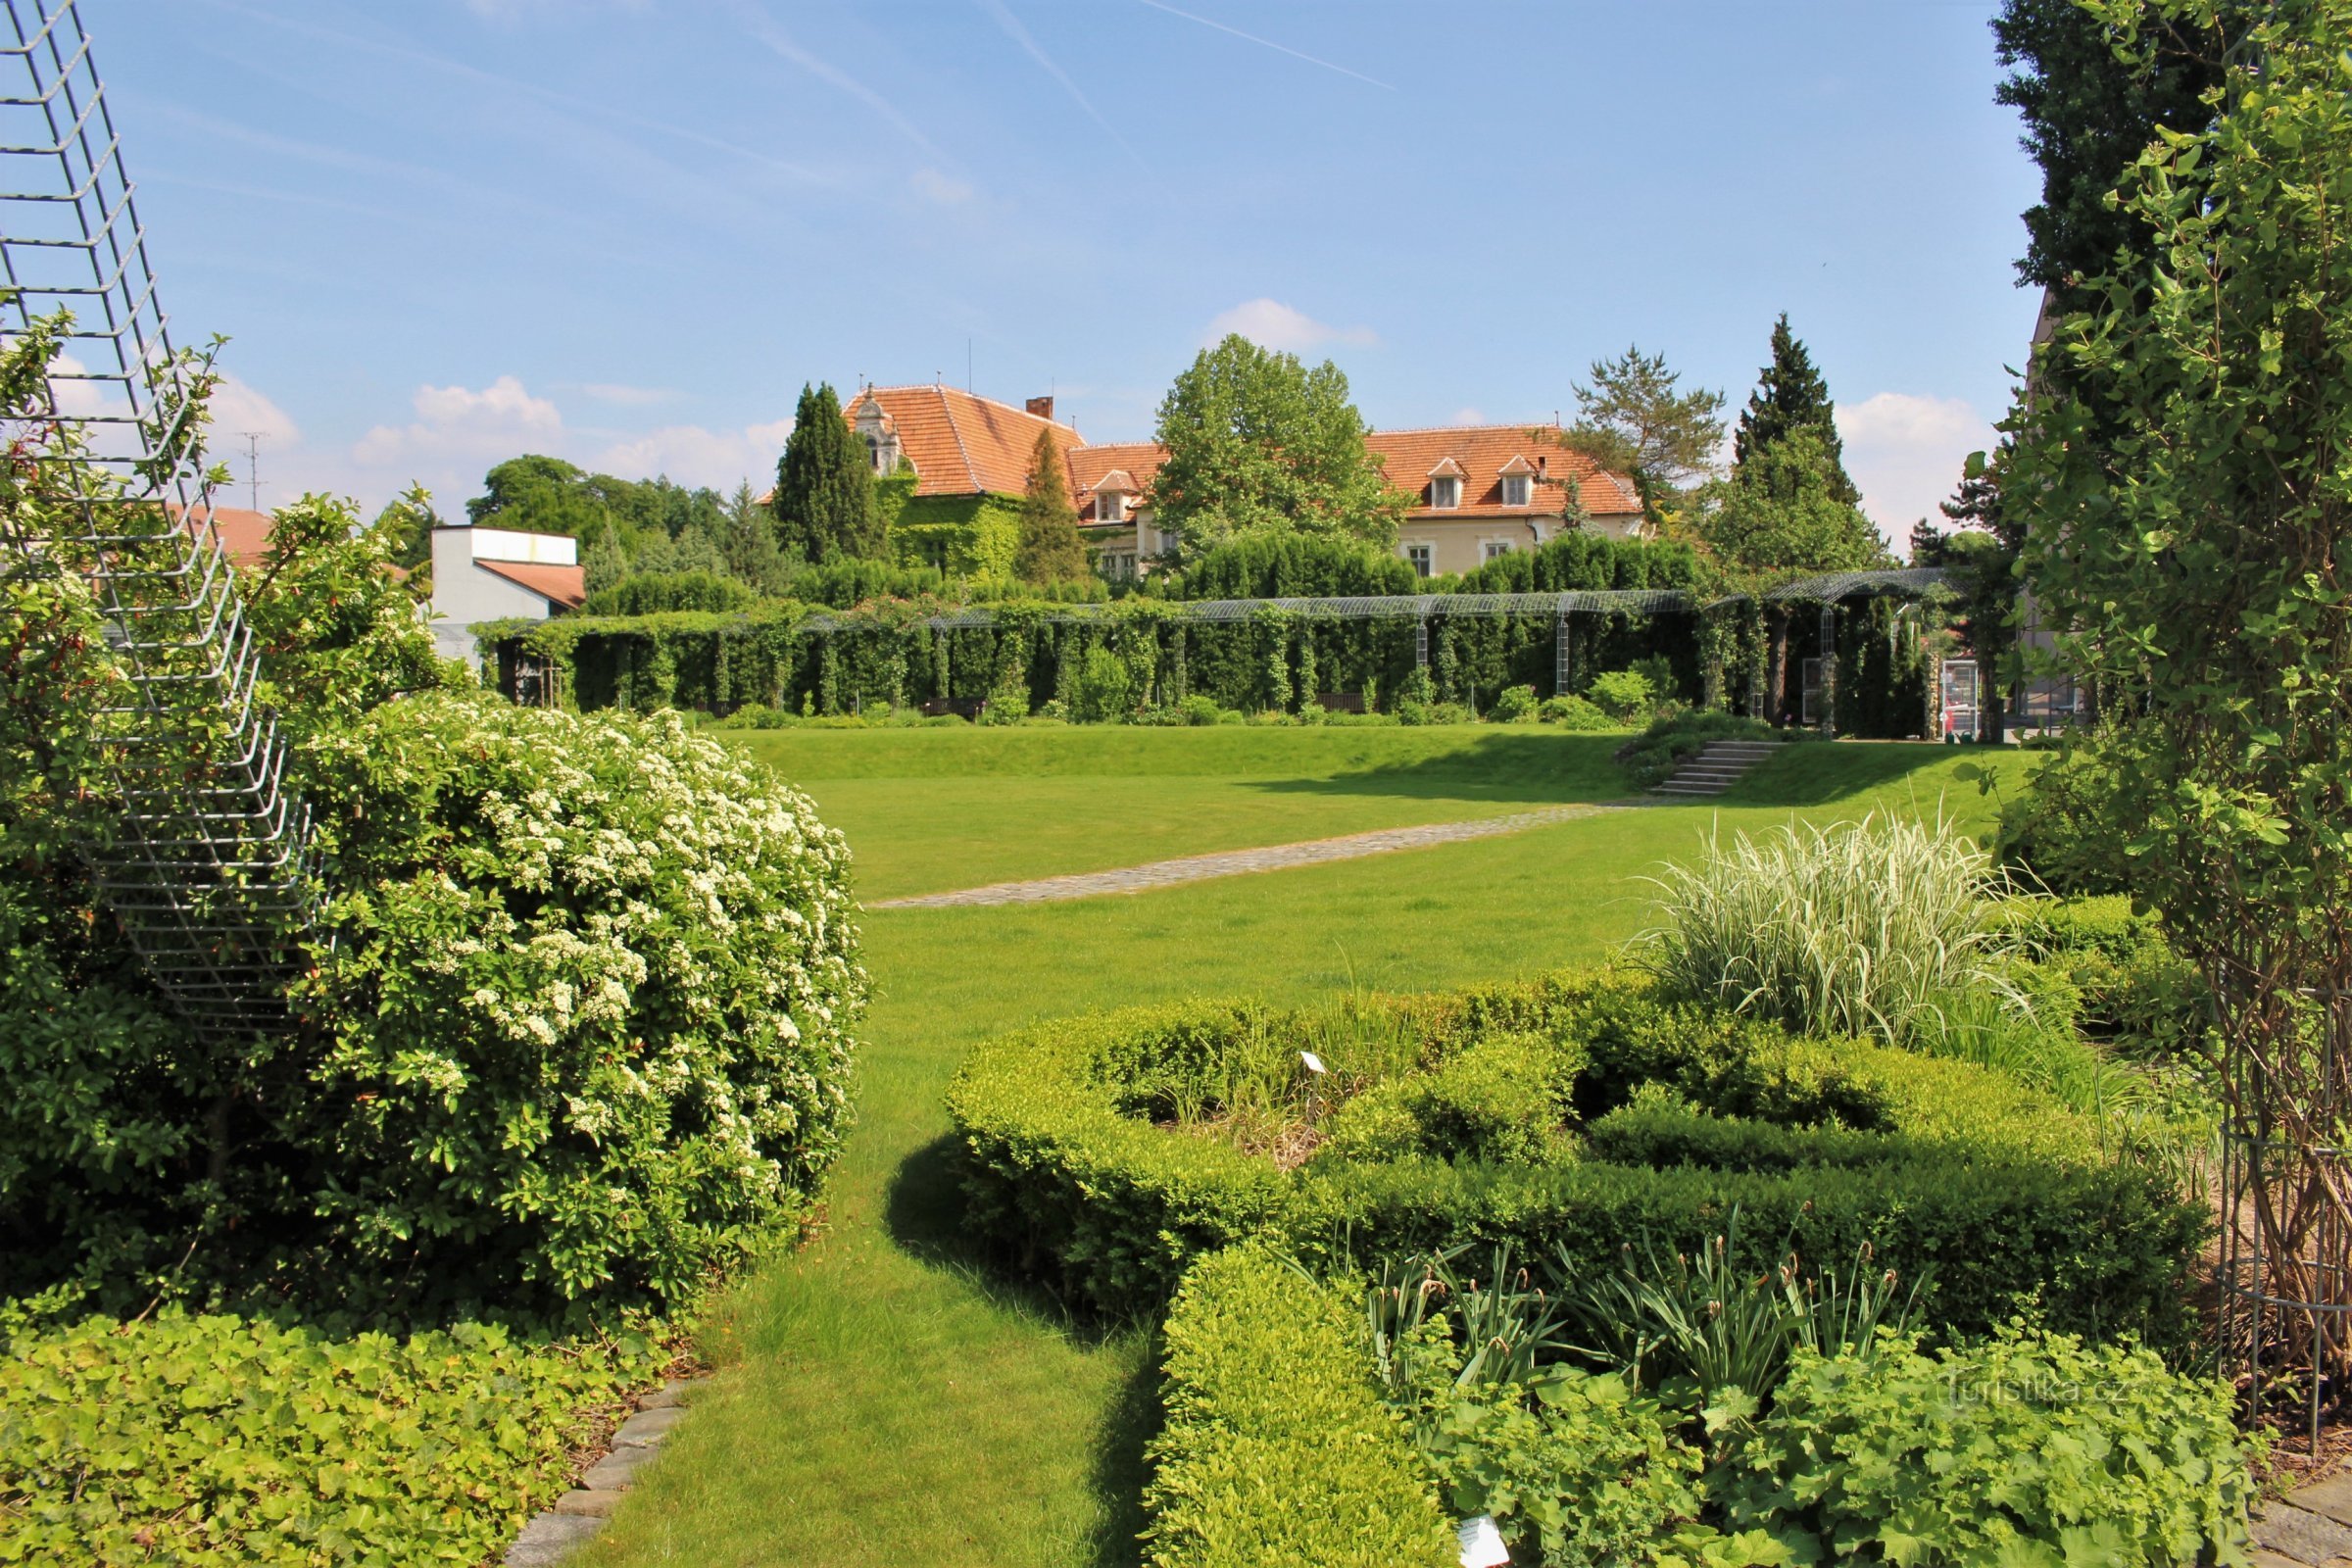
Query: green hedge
x,y
1277,1448
1997,1198
884,650
214,1439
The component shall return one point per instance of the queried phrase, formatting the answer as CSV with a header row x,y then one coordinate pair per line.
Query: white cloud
x,y
1906,452
455,420
82,400
694,456
457,434
240,409
631,397
932,186
1472,416
1272,324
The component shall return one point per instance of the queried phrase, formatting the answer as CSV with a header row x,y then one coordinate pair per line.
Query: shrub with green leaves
x,y
1087,1158
1277,1448
1102,691
1574,1468
1623,694
216,1440
1572,713
585,1022
2029,1448
1512,705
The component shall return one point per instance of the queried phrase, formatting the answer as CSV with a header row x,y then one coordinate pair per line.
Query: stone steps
x,y
1714,768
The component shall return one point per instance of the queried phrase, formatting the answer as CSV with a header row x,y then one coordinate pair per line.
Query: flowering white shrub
x,y
586,1013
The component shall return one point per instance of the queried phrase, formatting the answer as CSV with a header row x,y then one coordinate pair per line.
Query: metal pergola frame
x,y
207,866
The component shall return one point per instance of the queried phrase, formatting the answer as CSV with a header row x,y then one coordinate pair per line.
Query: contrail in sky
x,y
1268,43
1011,28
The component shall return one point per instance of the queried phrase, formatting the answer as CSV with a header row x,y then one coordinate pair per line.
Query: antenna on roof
x,y
253,465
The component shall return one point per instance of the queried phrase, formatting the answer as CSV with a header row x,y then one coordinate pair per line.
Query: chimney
x,y
1043,408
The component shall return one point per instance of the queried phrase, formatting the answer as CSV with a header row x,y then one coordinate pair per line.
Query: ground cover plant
x,y
199,1439
1687,1412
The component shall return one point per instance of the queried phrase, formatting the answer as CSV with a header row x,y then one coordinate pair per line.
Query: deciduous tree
x,y
2188,523
1258,442
1781,512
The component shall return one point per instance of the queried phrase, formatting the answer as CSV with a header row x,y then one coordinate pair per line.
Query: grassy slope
x,y
881,1400
930,810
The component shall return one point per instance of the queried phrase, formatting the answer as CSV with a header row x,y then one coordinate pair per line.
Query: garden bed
x,y
1569,1116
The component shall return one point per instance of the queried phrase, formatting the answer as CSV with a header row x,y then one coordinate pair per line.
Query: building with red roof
x,y
1476,491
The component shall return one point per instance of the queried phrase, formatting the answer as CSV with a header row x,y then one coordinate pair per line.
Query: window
x,y
1120,566
1495,549
1111,506
1421,557
1445,493
1514,489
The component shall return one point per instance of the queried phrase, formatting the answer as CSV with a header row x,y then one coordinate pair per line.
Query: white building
x,y
500,574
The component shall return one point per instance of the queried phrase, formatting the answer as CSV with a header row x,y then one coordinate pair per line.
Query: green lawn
x,y
879,1398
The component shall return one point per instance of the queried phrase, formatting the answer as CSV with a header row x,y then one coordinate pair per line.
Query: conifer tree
x,y
1792,396
1049,549
824,498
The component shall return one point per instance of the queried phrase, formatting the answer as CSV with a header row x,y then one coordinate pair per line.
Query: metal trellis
x,y
207,867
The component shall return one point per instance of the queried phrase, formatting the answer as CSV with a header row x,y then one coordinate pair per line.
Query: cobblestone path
x,y
1234,862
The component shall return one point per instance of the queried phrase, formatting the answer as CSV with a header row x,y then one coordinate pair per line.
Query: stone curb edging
x,y
1269,858
2310,1528
549,1537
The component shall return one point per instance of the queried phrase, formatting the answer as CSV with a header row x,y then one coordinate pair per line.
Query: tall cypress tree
x,y
1049,549
824,498
1792,396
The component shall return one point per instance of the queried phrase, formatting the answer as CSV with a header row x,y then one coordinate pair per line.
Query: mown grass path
x,y
880,1398
1242,863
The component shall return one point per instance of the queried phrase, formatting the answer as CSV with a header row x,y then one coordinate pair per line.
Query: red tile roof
x,y
1137,461
961,444
244,533
567,586
1482,453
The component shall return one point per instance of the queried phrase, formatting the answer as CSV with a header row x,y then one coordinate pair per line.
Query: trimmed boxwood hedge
x,y
1277,1448
1956,1176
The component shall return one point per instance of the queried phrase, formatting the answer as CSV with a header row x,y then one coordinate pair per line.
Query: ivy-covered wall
x,y
965,536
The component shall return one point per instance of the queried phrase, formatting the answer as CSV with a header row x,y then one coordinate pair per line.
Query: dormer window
x,y
1518,482
1111,506
1445,485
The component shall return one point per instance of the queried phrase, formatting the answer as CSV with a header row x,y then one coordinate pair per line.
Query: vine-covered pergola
x,y
1773,613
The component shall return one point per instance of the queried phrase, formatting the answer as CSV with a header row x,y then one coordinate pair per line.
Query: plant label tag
x,y
1482,1544
1314,1063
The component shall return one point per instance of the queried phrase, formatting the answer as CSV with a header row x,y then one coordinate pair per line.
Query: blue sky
x,y
445,231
